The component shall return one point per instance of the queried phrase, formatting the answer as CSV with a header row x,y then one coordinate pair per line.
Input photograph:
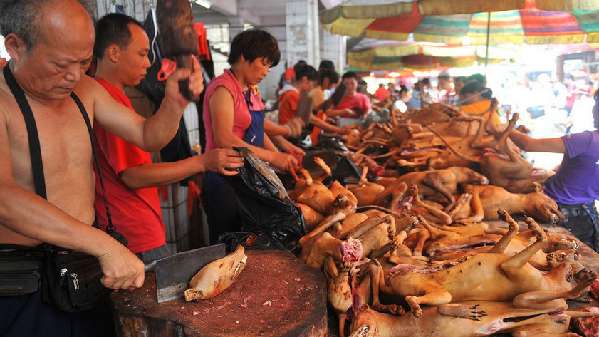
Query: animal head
x,y
558,257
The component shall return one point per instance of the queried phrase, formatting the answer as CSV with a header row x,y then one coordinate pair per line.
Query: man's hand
x,y
121,268
284,161
196,84
223,161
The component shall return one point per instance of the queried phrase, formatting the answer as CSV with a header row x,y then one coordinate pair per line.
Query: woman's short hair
x,y
252,44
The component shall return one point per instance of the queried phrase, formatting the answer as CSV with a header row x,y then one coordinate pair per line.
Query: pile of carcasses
x,y
428,246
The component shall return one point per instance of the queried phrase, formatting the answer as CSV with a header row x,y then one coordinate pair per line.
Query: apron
x,y
254,135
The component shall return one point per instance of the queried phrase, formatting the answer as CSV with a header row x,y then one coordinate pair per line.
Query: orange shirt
x,y
288,106
481,108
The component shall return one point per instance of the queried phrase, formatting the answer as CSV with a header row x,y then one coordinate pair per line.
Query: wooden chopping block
x,y
275,295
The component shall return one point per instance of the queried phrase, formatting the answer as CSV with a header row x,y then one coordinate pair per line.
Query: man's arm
x,y
286,146
223,115
274,129
530,144
347,113
24,212
219,160
319,123
153,133
268,144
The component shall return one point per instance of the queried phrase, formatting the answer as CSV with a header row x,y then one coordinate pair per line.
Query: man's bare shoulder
x,y
90,92
7,100
87,87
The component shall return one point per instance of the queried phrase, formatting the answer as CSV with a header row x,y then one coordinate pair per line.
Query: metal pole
x,y
488,38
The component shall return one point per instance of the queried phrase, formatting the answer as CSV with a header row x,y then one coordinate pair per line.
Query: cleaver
x,y
174,272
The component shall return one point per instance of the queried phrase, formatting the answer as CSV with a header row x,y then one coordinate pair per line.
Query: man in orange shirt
x,y
305,79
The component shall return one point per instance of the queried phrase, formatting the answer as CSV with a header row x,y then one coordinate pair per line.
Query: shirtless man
x,y
50,43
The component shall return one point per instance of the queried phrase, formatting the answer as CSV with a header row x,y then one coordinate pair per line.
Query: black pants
x,y
583,221
28,316
220,203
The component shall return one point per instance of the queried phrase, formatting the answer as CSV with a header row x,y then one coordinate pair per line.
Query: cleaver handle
x,y
150,266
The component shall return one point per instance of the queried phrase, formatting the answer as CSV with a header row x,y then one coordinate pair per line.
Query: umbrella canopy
x,y
529,24
370,54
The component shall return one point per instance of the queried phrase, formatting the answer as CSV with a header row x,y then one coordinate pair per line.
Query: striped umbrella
x,y
370,54
530,21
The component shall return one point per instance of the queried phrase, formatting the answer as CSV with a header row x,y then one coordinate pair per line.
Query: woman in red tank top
x,y
227,119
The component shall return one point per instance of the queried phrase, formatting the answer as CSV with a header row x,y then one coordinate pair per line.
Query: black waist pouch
x,y
20,270
72,281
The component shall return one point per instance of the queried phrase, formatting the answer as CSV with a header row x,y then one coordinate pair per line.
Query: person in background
x,y
392,89
458,84
286,82
333,81
227,119
575,185
401,104
382,93
474,101
482,80
444,88
303,83
130,178
353,105
306,78
326,65
3,62
326,79
363,87
420,94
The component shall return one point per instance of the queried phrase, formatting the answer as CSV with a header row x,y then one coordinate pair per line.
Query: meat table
x,y
276,295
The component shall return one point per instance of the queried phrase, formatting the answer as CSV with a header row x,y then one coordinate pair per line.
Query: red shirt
x,y
357,102
382,94
288,106
135,213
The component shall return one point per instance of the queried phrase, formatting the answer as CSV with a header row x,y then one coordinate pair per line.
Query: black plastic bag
x,y
266,209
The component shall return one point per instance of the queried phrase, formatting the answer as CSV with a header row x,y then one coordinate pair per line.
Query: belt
x,y
577,210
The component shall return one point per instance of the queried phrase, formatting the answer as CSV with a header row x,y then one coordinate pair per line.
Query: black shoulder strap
x,y
35,151
94,144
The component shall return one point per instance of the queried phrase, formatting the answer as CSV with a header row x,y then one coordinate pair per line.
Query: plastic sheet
x,y
270,219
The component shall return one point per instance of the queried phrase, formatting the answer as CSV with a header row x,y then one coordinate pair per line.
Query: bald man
x,y
50,43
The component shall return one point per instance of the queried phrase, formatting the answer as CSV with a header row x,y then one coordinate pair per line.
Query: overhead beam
x,y
227,7
249,17
328,4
